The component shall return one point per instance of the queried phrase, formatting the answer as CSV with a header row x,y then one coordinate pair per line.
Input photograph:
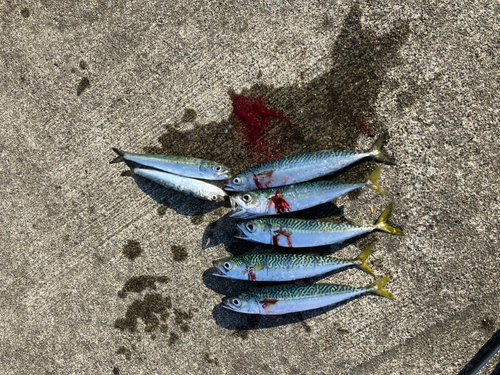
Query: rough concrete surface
x,y
106,274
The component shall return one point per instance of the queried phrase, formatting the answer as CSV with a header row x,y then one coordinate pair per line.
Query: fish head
x,y
231,268
238,183
221,172
214,171
242,303
214,194
248,205
255,230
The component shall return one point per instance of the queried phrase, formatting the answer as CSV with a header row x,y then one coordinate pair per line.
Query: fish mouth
x,y
239,211
218,270
229,187
241,232
225,303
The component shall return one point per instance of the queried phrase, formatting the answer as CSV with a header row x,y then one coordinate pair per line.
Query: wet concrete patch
x,y
84,83
179,253
132,249
137,284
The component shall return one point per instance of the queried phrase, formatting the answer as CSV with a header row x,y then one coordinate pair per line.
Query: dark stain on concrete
x,y
152,310
197,219
179,253
25,12
306,326
241,333
132,249
162,210
84,83
210,359
83,65
116,371
325,113
173,338
180,319
73,70
137,284
126,352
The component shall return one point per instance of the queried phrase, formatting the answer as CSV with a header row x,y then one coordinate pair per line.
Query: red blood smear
x,y
253,115
252,275
263,180
266,302
281,232
280,204
366,129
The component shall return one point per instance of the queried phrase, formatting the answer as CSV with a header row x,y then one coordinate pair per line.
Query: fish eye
x,y
236,302
236,181
251,227
228,266
214,197
218,168
247,197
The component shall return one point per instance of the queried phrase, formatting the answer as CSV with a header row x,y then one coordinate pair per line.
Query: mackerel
x,y
295,197
196,188
284,299
285,267
180,165
303,167
308,233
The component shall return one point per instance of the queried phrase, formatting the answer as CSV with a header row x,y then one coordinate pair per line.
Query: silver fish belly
x,y
180,165
303,167
196,188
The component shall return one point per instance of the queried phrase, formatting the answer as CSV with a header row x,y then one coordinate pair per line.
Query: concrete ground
x,y
107,274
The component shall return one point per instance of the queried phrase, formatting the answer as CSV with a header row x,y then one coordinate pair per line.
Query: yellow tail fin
x,y
362,257
382,225
378,287
372,181
376,151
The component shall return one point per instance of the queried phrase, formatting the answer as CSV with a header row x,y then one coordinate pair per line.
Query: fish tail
x,y
362,257
376,151
372,181
120,158
382,225
378,287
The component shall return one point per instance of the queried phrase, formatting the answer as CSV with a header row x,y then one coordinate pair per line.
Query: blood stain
x,y
267,302
252,275
254,118
280,204
281,232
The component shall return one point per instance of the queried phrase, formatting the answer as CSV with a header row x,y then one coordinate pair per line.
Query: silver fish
x,y
284,299
303,167
180,165
285,267
295,197
308,233
196,188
